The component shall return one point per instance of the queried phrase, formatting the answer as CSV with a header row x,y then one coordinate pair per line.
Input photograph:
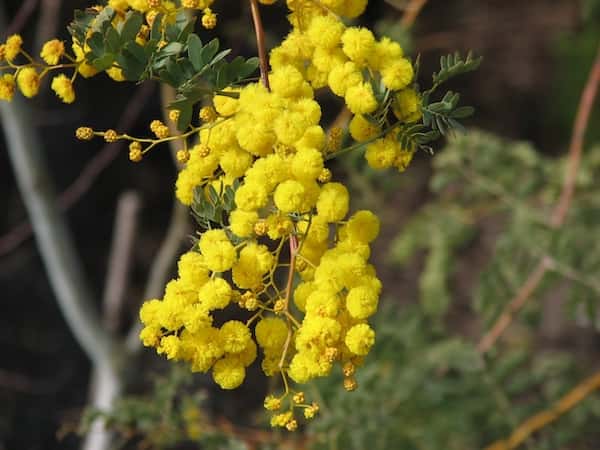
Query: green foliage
x,y
210,207
171,415
172,54
453,65
425,390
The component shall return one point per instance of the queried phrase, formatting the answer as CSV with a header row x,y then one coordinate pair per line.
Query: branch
x,y
544,418
260,43
119,261
89,173
575,149
63,265
559,213
169,248
411,13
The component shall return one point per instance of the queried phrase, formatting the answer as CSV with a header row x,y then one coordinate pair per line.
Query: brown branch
x,y
87,177
18,23
411,13
559,213
526,291
575,149
260,43
544,418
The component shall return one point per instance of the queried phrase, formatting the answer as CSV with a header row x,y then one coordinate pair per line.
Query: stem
x,y
544,418
55,242
560,211
260,43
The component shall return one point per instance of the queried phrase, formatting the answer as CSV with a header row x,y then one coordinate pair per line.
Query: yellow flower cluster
x,y
269,144
27,77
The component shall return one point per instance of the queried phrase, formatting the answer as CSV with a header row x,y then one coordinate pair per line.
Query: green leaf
x,y
463,112
129,29
194,45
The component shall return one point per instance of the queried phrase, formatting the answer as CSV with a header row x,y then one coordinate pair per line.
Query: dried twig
x,y
559,213
412,12
89,173
544,418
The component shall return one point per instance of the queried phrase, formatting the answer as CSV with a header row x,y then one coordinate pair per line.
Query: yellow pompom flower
x,y
307,164
360,99
7,87
219,254
234,336
358,44
344,76
333,202
192,269
359,339
290,196
251,196
52,51
271,333
12,47
381,153
28,81
242,222
215,294
398,74
325,31
362,129
229,373
363,226
226,106
63,87
361,302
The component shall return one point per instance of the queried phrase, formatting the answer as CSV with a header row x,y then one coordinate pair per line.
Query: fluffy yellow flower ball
x,y
219,254
360,338
333,202
52,51
7,87
28,81
63,87
229,373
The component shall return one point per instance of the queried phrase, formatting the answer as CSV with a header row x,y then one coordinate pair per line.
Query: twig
x,y
260,43
63,265
107,384
89,173
559,213
575,149
163,262
544,418
411,13
119,261
18,23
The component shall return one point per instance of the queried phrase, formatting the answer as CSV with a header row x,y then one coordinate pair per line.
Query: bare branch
x,y
89,174
119,262
63,266
559,213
